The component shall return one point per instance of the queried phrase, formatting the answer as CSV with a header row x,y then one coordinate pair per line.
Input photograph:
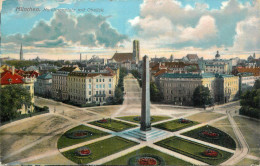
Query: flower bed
x,y
79,134
83,151
146,159
210,134
103,121
210,153
181,120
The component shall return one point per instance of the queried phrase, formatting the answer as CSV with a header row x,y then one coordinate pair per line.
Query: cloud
x,y
248,34
189,26
86,30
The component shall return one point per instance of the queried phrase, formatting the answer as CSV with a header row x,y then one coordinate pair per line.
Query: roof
x,y
45,76
68,69
8,78
160,72
123,57
192,56
85,74
255,70
223,75
187,75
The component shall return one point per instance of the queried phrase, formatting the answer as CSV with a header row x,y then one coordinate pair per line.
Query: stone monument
x,y
145,132
145,114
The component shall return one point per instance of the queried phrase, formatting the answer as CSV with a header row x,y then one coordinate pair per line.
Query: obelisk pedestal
x,y
145,114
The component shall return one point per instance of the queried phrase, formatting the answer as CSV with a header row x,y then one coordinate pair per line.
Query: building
x,y
9,77
21,52
246,81
59,82
227,88
43,85
132,57
178,88
84,88
192,58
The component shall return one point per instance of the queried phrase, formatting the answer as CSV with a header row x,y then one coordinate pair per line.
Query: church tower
x,y
136,51
217,56
21,52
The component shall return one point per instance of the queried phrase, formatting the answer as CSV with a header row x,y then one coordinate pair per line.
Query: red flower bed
x,y
147,161
80,134
211,153
103,121
184,121
84,152
210,134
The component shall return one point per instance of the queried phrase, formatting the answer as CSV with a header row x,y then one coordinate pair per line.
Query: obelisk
x,y
145,114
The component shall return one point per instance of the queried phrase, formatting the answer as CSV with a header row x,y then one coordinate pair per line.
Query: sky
x,y
62,29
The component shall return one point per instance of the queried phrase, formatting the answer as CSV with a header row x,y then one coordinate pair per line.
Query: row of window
x,y
89,80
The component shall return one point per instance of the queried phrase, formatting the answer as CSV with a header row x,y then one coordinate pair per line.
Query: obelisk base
x,y
145,127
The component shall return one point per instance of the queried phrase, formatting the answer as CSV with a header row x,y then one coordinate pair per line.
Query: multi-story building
x,y
227,88
246,81
43,85
9,77
59,82
86,87
178,88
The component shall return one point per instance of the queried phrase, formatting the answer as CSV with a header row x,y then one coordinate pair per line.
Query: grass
x,y
246,161
65,141
101,149
169,160
114,125
153,118
205,116
224,139
193,150
174,125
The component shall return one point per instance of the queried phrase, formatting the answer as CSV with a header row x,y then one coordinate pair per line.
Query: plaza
x,y
46,139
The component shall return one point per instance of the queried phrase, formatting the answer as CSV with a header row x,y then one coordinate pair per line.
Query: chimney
x,y
13,69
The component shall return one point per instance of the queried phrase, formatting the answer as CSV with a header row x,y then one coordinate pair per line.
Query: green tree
x,y
201,96
155,94
119,96
13,97
136,74
257,84
191,68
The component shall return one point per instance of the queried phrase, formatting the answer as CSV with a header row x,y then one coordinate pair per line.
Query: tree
x,y
155,94
13,97
201,96
257,84
119,96
136,74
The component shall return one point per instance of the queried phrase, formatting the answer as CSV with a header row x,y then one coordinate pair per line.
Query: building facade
x,y
43,85
59,83
178,88
86,87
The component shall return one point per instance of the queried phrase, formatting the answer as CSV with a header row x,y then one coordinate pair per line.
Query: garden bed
x,y
148,152
221,138
70,137
112,124
194,150
99,150
175,125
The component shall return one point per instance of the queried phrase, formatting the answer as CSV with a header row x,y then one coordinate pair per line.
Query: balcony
x,y
100,95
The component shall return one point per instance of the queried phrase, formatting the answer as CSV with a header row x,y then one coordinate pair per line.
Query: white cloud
x,y
206,28
248,34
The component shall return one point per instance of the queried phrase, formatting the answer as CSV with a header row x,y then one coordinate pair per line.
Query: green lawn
x,y
153,118
65,141
193,150
100,149
169,160
114,125
224,139
174,125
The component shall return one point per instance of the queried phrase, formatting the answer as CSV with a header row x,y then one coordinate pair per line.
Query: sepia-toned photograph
x,y
130,82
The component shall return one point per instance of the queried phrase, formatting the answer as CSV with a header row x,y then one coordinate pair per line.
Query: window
x,y
96,80
89,86
103,80
109,79
100,80
103,92
100,86
110,92
103,85
96,86
89,80
89,92
96,92
109,85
